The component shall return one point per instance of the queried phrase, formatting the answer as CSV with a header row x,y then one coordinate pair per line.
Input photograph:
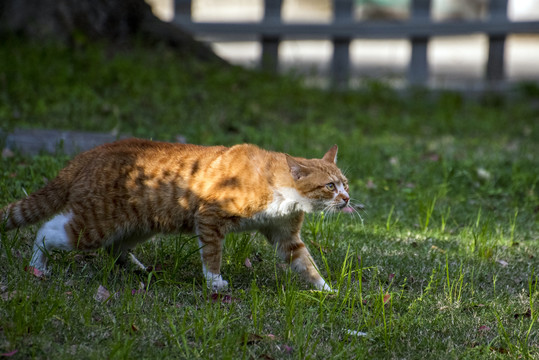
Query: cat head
x,y
320,181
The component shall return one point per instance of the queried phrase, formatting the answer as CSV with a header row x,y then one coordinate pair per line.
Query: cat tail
x,y
38,206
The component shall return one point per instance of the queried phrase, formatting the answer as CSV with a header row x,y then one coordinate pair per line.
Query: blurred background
x,y
454,62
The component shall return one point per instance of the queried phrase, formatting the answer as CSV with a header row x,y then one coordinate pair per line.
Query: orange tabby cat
x,y
120,194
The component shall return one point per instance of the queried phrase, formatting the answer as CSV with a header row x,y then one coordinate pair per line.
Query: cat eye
x,y
330,186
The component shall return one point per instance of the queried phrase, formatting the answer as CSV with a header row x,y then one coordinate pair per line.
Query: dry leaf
x,y
9,354
102,294
527,314
159,344
34,271
502,262
248,264
225,299
499,349
387,297
288,349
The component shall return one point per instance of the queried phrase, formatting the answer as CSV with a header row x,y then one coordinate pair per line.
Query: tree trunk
x,y
115,21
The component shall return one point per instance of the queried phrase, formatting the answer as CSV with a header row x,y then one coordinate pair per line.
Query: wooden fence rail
x,y
418,29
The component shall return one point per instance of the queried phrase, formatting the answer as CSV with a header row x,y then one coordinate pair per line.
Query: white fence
x,y
343,29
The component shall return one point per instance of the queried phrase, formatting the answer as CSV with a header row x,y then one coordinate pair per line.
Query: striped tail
x,y
40,205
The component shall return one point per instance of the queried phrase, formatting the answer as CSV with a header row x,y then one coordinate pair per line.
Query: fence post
x,y
496,43
418,69
270,44
182,9
343,10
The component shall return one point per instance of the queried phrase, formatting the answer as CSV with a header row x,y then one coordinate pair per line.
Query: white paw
x,y
323,286
215,282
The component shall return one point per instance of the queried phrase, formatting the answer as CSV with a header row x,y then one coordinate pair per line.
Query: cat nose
x,y
346,198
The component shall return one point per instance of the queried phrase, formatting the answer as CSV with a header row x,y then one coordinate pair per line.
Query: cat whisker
x,y
357,205
356,212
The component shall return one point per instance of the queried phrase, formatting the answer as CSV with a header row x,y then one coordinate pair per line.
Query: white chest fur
x,y
286,201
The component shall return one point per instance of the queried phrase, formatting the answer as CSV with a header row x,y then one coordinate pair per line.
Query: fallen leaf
x,y
288,349
225,299
9,354
271,336
387,297
156,268
102,294
248,264
527,314
34,271
483,328
134,328
502,262
499,349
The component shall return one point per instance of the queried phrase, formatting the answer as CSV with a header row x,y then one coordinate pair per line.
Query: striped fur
x,y
122,193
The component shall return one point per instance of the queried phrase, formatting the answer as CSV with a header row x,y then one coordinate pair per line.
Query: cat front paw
x,y
215,282
322,285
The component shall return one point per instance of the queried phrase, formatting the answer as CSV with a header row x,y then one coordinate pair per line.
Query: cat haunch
x,y
120,194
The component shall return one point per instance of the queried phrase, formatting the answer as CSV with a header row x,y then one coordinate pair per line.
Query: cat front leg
x,y
302,262
210,242
291,249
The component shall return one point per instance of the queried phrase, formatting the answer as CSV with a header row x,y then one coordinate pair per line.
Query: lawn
x,y
440,262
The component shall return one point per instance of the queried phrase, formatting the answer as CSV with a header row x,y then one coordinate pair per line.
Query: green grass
x,y
442,264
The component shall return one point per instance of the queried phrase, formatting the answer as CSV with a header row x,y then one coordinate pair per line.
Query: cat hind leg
x,y
210,242
51,236
121,251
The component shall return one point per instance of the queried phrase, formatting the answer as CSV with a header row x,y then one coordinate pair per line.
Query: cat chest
x,y
283,210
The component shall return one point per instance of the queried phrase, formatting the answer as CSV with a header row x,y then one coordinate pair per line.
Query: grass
x,y
443,262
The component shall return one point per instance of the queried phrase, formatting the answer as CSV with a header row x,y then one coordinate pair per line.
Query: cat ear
x,y
296,169
331,155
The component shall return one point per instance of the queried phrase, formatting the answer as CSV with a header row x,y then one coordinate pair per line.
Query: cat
x,y
120,194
